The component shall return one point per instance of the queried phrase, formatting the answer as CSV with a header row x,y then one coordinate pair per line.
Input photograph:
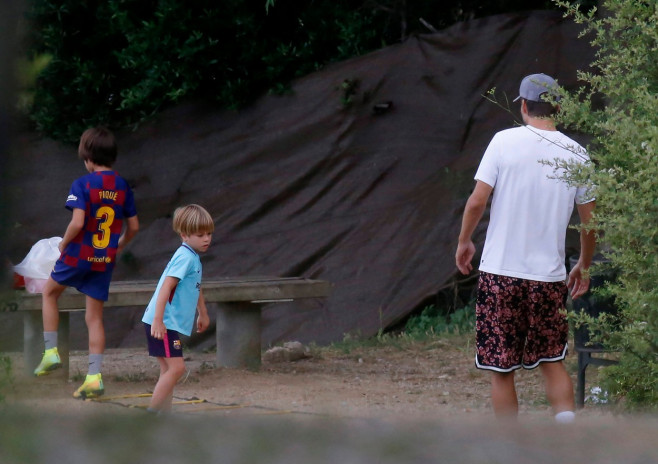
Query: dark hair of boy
x,y
99,146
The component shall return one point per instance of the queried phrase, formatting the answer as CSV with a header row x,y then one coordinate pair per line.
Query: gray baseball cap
x,y
533,86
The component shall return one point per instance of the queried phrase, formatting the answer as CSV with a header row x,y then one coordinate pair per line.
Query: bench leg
x,y
238,335
63,346
33,342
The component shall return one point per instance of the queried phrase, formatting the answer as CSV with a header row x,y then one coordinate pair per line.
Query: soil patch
x,y
398,379
403,401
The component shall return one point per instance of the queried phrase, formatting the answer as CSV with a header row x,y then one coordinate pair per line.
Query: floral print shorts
x,y
519,323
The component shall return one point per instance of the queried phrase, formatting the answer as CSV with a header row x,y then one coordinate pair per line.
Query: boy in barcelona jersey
x,y
100,202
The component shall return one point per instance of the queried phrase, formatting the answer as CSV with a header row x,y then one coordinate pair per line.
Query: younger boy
x,y
100,202
176,300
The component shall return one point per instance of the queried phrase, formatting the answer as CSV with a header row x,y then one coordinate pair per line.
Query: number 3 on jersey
x,y
105,218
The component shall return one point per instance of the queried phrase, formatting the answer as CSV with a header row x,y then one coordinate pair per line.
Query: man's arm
x,y
473,212
578,283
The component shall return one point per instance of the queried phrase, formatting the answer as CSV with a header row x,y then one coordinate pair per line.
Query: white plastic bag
x,y
38,263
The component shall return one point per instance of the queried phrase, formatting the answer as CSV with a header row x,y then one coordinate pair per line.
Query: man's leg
x,y
503,395
547,339
559,387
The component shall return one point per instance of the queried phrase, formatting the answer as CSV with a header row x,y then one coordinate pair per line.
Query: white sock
x,y
565,417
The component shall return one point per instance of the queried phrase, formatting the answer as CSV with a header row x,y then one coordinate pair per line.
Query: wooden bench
x,y
238,315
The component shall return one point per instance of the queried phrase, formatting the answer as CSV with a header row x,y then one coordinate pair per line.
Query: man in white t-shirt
x,y
523,285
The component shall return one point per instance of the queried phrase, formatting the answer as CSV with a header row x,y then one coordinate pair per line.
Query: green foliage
x,y
431,321
348,89
618,106
354,345
354,342
633,380
117,62
27,74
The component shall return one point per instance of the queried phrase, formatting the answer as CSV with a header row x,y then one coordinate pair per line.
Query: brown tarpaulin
x,y
367,194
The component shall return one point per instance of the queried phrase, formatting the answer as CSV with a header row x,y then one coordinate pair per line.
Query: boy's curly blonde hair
x,y
192,219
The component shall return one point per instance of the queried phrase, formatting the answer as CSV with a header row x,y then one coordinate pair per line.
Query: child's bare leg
x,y
94,320
171,369
166,405
503,395
559,387
51,292
50,314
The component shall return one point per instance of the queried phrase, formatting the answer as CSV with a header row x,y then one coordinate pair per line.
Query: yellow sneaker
x,y
49,362
91,388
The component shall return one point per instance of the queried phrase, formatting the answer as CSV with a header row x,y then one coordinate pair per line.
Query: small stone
x,y
290,351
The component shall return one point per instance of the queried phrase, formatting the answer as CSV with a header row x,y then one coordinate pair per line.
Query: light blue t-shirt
x,y
180,308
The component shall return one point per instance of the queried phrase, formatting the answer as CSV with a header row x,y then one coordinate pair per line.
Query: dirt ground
x,y
400,379
400,402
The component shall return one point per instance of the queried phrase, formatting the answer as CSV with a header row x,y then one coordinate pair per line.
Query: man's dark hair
x,y
99,146
541,109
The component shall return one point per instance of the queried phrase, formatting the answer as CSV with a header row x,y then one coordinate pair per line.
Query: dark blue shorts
x,y
169,347
95,284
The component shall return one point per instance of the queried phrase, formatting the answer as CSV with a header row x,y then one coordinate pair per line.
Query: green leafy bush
x,y
118,62
432,321
618,106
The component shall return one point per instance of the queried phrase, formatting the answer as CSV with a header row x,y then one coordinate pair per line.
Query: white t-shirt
x,y
530,208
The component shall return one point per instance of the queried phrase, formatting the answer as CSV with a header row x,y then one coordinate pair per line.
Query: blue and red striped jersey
x,y
107,200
